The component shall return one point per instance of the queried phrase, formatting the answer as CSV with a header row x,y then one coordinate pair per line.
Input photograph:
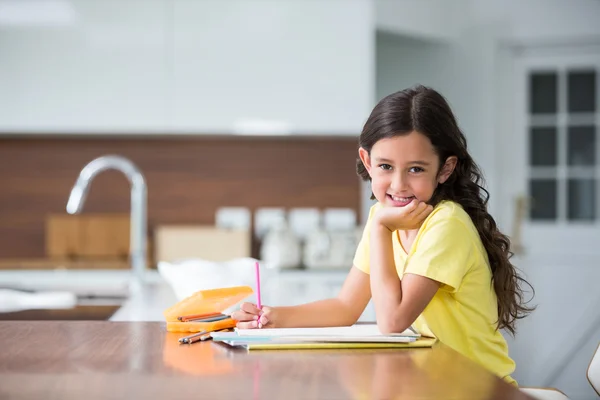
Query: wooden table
x,y
140,360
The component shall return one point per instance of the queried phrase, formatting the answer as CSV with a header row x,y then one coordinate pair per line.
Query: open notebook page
x,y
362,330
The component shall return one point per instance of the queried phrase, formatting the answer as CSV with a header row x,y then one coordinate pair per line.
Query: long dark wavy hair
x,y
424,110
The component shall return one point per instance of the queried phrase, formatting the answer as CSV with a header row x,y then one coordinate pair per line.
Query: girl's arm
x,y
345,309
397,302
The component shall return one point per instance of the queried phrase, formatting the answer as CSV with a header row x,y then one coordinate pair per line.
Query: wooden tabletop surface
x,y
140,360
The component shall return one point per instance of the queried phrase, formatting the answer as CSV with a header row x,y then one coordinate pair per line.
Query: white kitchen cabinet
x,y
236,65
103,71
191,67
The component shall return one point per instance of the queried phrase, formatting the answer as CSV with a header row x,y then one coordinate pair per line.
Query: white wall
x,y
554,345
540,21
439,20
191,66
514,20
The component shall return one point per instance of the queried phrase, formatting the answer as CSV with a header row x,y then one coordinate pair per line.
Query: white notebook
x,y
344,333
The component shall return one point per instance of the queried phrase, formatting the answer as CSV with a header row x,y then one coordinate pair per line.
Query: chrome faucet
x,y
138,239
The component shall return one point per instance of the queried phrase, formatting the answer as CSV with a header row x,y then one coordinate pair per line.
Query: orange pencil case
x,y
205,302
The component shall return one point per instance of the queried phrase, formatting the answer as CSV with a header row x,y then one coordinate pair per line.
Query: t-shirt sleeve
x,y
443,252
361,257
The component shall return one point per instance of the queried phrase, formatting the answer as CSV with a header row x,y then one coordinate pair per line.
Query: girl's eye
x,y
416,169
385,167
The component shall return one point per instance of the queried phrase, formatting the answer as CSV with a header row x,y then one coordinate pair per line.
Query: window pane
x,y
542,93
543,194
582,145
582,91
582,199
542,146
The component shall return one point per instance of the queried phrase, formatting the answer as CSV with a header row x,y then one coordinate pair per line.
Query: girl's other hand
x,y
408,217
250,317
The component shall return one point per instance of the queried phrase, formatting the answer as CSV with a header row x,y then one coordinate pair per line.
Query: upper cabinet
x,y
299,65
178,66
84,66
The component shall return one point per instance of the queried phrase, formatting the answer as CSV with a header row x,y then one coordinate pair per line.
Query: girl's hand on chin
x,y
404,218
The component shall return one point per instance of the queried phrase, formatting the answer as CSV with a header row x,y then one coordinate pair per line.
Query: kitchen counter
x,y
110,287
84,282
140,360
147,305
99,287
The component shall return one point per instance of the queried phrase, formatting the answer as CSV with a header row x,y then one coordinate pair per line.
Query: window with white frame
x,y
564,149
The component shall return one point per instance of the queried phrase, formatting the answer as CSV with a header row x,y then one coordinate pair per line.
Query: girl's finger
x,y
413,209
413,205
425,212
247,325
263,320
420,208
243,316
250,308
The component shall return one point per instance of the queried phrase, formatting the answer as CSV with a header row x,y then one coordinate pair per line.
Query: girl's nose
x,y
398,182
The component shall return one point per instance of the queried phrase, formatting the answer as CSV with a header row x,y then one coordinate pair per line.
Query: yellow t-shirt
x,y
463,313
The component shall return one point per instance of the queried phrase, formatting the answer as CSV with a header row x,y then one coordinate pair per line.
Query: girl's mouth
x,y
399,201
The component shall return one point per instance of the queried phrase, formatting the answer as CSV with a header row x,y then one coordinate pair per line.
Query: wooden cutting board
x,y
87,236
179,242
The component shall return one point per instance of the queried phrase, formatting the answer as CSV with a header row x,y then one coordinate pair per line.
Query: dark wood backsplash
x,y
188,178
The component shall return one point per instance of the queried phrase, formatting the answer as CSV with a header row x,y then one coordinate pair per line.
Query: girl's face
x,y
405,167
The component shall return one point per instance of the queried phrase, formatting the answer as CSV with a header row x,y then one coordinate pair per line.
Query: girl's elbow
x,y
351,319
388,326
384,328
347,321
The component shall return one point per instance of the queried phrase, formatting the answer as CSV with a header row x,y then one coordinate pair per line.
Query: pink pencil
x,y
258,303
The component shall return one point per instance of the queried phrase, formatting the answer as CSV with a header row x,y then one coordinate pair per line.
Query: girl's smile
x,y
397,201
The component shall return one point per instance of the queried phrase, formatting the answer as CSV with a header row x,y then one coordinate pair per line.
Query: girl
x,y
431,255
